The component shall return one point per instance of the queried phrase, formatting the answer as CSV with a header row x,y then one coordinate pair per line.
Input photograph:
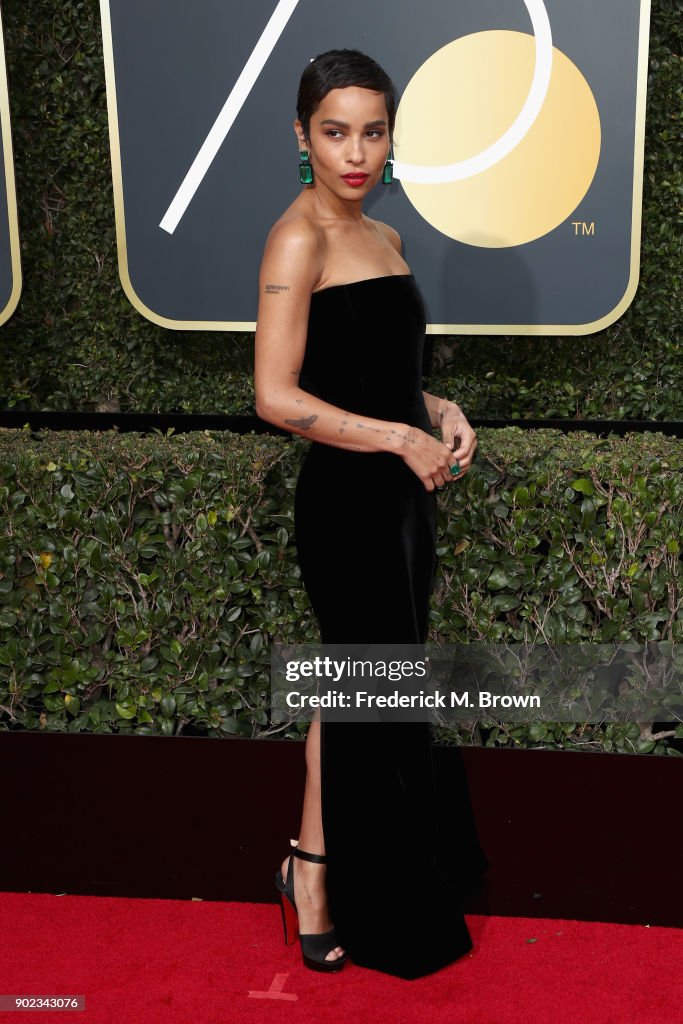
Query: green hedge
x,y
76,343
144,578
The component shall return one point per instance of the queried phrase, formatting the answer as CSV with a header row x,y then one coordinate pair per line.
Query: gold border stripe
x,y
11,189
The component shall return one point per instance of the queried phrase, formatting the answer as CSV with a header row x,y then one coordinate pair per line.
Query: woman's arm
x,y
436,407
456,433
291,268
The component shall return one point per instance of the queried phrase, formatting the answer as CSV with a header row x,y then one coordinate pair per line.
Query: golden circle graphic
x,y
465,97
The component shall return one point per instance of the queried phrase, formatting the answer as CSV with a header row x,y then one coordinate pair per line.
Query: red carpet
x,y
185,962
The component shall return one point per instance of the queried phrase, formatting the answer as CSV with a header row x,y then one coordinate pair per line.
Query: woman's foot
x,y
311,899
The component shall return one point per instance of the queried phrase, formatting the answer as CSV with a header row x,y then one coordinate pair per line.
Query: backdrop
x,y
519,147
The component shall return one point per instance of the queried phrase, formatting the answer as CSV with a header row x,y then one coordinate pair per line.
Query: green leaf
x,y
168,705
497,579
505,602
584,485
125,712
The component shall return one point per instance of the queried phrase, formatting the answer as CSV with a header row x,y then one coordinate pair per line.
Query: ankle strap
x,y
316,858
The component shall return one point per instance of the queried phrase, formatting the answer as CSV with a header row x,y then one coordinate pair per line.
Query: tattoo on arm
x,y
364,426
275,289
303,424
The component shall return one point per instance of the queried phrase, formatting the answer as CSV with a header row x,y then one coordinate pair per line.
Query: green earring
x,y
305,169
388,173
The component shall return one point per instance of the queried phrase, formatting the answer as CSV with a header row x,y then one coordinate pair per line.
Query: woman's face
x,y
349,141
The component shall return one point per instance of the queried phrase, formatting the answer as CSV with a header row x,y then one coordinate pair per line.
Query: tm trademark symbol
x,y
582,227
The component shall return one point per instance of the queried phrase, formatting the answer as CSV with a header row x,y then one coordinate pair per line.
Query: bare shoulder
x,y
391,234
293,257
294,236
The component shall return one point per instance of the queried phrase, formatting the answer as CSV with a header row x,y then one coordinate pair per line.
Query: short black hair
x,y
338,69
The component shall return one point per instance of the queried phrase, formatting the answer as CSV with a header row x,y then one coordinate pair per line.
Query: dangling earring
x,y
388,173
305,169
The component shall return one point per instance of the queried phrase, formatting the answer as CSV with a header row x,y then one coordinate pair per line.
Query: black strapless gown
x,y
399,839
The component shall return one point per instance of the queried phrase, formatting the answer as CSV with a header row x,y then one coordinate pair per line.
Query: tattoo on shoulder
x,y
303,424
275,289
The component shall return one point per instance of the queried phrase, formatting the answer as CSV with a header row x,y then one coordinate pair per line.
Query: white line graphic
x,y
231,108
407,172
517,130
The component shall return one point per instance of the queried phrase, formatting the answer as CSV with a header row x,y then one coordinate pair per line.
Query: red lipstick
x,y
355,179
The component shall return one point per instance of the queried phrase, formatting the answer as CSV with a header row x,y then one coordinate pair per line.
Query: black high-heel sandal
x,y
315,945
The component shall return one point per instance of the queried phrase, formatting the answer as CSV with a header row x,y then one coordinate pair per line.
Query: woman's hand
x,y
429,458
458,436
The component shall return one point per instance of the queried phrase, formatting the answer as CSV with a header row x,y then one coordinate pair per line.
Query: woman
x,y
338,360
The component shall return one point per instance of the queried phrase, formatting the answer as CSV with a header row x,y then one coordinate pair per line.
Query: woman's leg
x,y
309,878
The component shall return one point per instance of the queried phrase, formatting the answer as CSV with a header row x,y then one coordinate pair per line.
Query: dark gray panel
x,y
6,274
175,66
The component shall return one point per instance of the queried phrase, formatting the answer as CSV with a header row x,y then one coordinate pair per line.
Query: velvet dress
x,y
400,840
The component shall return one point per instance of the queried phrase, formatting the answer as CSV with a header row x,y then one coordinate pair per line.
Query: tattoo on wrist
x,y
303,424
